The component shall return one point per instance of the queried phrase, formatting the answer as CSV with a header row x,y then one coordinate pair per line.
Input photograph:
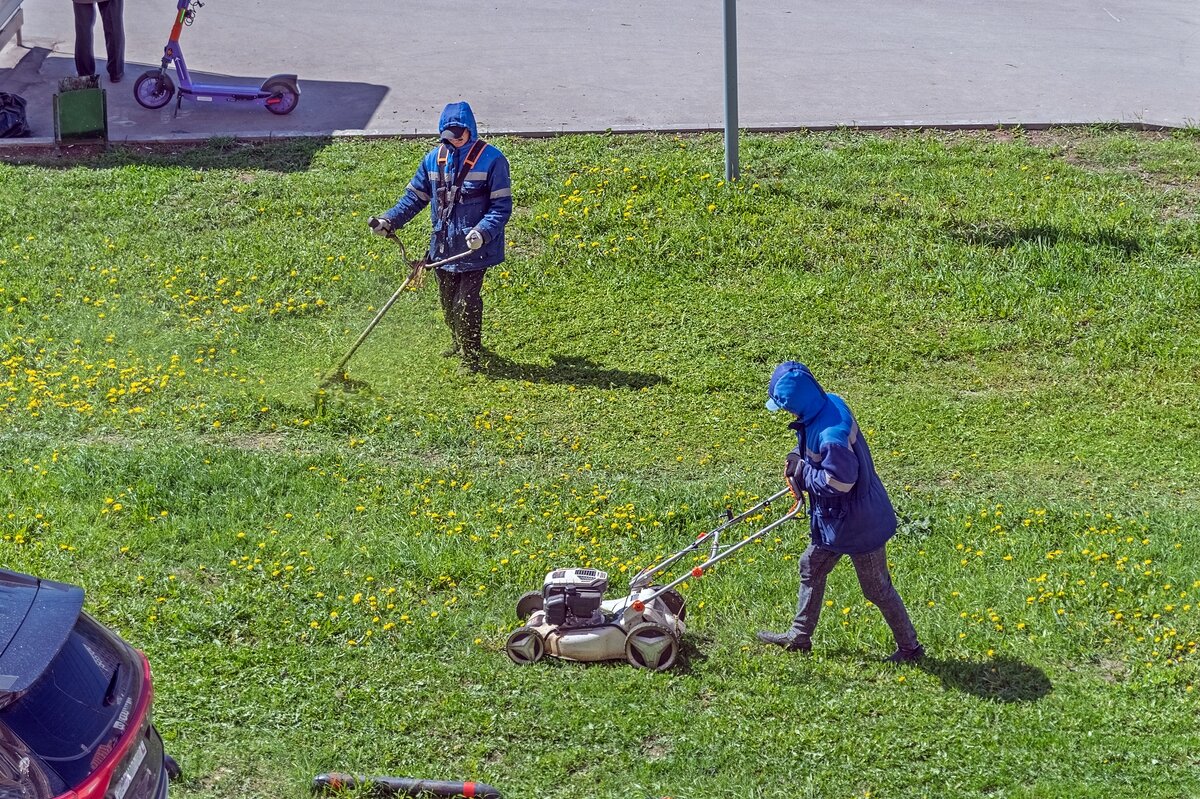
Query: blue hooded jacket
x,y
851,511
484,202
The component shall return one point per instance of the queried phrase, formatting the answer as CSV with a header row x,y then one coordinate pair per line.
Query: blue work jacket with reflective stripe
x,y
484,202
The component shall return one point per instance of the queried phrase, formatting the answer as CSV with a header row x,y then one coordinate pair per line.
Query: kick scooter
x,y
154,89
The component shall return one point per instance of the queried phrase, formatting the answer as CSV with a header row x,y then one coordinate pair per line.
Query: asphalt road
x,y
536,66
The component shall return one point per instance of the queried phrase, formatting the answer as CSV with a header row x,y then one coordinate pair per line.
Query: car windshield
x,y
68,716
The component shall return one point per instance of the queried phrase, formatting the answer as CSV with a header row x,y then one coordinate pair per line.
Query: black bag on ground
x,y
13,124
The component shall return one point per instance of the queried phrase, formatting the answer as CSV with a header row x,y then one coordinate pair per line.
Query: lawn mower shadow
x,y
574,370
690,655
997,680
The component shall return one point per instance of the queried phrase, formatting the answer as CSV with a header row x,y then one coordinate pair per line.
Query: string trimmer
x,y
416,276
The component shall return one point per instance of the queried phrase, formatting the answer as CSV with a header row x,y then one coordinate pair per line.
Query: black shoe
x,y
906,655
785,640
116,78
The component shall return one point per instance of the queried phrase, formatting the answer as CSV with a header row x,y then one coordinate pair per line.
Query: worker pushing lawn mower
x,y
850,515
850,512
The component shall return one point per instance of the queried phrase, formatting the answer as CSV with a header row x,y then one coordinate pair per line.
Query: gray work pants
x,y
815,565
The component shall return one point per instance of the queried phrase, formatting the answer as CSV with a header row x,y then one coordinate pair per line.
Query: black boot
x,y
906,655
785,640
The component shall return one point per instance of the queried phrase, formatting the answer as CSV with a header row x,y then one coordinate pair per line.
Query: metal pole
x,y
731,94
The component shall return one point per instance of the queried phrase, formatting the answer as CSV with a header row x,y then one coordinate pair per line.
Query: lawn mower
x,y
570,619
154,89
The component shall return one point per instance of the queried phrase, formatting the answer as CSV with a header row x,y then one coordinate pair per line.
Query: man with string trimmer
x,y
465,182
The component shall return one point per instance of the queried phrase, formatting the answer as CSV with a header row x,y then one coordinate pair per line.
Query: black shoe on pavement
x,y
116,78
785,640
906,655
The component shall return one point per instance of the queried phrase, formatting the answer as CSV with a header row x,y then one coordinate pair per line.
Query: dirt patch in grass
x,y
1112,671
258,442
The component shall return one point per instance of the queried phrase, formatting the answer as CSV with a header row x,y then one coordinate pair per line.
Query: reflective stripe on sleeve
x,y
838,485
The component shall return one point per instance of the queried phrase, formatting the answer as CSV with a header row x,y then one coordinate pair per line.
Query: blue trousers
x,y
815,565
112,13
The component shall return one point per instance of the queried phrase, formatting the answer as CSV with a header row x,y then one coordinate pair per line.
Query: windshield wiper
x,y
110,693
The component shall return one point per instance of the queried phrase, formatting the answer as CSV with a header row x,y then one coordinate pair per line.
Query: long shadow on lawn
x,y
574,370
998,680
1001,235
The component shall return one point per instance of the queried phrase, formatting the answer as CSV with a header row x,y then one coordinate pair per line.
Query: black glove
x,y
793,473
379,226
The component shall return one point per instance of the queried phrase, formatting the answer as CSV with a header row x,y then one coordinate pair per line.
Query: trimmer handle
x,y
402,786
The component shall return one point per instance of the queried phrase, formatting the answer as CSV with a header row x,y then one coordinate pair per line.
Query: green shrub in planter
x,y
80,109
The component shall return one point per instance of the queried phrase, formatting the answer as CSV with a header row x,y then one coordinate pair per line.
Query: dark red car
x,y
75,701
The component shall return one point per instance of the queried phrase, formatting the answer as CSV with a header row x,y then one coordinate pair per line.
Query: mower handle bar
x,y
717,553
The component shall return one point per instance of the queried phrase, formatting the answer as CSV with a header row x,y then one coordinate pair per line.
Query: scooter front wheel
x,y
153,89
285,96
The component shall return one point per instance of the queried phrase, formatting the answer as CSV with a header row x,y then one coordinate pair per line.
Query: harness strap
x,y
448,195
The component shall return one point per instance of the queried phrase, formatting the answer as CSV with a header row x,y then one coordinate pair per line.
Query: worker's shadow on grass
x,y
574,370
997,680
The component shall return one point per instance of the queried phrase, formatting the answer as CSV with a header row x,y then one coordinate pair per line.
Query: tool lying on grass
x,y
416,276
401,786
570,619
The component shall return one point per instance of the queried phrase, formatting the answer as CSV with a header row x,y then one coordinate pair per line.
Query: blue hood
x,y
794,389
458,114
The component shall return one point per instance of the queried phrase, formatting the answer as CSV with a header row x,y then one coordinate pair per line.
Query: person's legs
x,y
447,285
85,20
112,14
815,565
468,304
876,583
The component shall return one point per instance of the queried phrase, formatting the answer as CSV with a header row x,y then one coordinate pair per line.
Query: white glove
x,y
474,239
379,226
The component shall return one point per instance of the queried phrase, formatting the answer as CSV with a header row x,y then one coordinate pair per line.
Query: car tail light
x,y
124,761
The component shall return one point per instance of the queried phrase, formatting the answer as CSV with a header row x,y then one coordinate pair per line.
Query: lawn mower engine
x,y
572,597
570,619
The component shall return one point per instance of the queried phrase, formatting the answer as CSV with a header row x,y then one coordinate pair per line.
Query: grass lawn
x,y
1015,319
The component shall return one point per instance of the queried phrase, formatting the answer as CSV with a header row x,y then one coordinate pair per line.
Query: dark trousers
x,y
112,19
462,307
876,583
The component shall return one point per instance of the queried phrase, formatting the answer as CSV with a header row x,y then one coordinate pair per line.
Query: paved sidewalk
x,y
538,66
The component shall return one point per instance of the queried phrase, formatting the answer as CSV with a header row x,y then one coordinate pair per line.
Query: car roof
x,y
36,616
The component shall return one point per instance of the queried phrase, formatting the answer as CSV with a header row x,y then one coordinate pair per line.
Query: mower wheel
x,y
525,646
675,602
651,646
529,603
